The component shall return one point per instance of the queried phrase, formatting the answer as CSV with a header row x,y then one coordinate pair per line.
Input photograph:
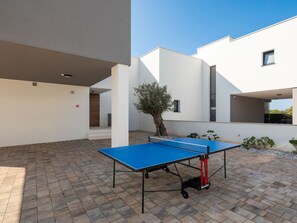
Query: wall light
x,y
66,75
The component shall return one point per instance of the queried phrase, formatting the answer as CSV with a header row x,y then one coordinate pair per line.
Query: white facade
x,y
243,84
239,71
43,113
240,75
54,42
239,63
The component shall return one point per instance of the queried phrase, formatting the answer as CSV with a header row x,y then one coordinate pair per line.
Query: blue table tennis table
x,y
160,153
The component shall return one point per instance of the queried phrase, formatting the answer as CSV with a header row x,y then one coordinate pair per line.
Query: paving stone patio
x,y
71,182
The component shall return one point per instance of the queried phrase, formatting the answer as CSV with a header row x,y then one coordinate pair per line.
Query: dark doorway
x,y
94,110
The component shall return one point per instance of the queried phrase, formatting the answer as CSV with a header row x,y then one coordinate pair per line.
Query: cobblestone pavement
x,y
72,182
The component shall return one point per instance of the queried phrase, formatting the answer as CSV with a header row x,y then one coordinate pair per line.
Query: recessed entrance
x,y
94,110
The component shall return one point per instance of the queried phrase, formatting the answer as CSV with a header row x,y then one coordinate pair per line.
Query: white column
x,y
120,105
294,97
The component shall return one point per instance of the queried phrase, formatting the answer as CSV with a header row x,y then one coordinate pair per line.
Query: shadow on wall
x,y
223,89
146,122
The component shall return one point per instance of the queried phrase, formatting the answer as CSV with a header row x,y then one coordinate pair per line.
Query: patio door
x,y
94,110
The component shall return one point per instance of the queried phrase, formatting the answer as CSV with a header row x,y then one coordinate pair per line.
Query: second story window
x,y
268,58
176,106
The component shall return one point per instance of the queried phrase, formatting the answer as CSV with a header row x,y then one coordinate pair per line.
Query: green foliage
x,y
293,142
210,135
288,111
153,99
257,143
193,135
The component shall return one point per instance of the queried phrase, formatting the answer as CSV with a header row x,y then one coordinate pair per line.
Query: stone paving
x,y
71,182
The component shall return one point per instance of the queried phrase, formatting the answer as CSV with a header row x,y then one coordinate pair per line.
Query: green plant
x,y
210,135
154,100
257,143
249,143
293,142
193,135
267,142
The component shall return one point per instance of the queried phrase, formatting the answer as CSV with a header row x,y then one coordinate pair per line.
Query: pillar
x,y
120,105
294,97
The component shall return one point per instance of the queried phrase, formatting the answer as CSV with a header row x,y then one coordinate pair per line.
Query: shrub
x,y
257,143
293,142
210,135
267,142
193,135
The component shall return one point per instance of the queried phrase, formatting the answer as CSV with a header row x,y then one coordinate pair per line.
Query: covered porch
x,y
256,106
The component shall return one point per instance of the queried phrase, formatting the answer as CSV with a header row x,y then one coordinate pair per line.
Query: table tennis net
x,y
201,149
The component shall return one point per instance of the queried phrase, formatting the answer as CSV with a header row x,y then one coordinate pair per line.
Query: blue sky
x,y
184,25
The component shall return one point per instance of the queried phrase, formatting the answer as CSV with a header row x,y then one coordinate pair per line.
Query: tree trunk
x,y
160,127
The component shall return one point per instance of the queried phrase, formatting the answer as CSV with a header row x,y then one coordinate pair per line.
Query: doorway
x,y
94,110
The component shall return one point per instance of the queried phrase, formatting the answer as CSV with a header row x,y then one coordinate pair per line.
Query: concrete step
x,y
99,133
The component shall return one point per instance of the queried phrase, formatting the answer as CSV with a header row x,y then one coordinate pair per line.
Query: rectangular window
x,y
268,58
176,106
213,93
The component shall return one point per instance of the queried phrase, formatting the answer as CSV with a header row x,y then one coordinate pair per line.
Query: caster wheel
x,y
167,170
185,194
146,175
208,186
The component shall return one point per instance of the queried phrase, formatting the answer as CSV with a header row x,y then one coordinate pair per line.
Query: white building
x,y
51,52
225,86
247,73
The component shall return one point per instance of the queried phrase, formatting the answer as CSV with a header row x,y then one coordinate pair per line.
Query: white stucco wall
x,y
294,92
45,113
182,75
105,108
133,82
239,63
105,98
104,84
149,71
236,132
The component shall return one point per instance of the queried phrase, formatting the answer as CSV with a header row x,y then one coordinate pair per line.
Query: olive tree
x,y
154,100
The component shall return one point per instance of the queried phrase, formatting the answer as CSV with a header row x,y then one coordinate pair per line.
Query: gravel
x,y
273,152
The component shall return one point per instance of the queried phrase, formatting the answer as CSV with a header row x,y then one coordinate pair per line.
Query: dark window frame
x,y
212,94
263,57
176,106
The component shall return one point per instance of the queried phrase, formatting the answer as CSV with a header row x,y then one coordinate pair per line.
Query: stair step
x,y
104,133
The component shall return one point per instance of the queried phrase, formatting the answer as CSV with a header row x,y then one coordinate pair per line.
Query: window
x,y
268,58
176,106
213,94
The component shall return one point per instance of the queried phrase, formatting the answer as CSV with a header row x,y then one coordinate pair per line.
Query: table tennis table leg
x,y
225,169
113,176
142,204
